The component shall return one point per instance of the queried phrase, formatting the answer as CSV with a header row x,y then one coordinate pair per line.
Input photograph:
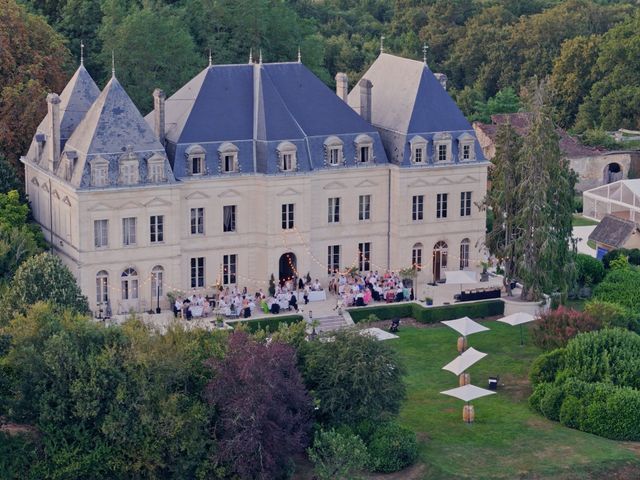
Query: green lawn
x,y
508,440
580,221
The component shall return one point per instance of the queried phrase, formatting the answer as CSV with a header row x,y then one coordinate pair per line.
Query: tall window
x,y
287,155
465,204
287,162
197,272
334,155
101,233
364,256
228,154
228,163
466,152
417,210
229,265
364,148
416,257
156,228
129,231
334,210
197,221
287,216
100,174
442,153
157,276
418,155
229,218
464,254
364,209
364,154
129,172
156,173
333,258
441,205
197,165
333,148
102,287
129,284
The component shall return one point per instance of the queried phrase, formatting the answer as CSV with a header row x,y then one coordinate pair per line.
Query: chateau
x,y
256,169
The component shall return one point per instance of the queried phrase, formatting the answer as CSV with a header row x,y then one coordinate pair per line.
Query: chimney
x,y
342,86
158,114
53,107
365,99
442,78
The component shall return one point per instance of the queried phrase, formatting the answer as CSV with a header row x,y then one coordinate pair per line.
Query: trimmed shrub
x,y
610,355
615,416
432,314
571,412
551,402
633,255
589,270
621,286
546,366
538,394
556,327
612,315
270,324
392,448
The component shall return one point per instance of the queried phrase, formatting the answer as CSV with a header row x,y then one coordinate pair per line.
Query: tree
x,y
353,378
33,62
546,192
152,49
263,411
504,201
44,278
505,101
8,177
336,455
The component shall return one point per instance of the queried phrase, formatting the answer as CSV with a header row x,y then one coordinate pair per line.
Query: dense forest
x,y
489,49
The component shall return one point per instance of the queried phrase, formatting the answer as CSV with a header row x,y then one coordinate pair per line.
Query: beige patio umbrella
x,y
462,362
518,318
465,326
467,394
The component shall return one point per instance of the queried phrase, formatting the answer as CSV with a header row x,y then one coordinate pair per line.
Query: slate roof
x,y
75,100
408,100
613,231
255,107
112,124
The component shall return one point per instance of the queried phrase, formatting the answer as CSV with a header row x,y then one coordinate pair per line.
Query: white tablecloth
x,y
196,311
317,296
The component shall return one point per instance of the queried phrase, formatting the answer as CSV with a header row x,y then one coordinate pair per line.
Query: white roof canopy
x,y
465,326
464,361
468,392
460,277
517,318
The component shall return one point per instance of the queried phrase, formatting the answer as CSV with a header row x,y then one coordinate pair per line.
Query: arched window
x,y
416,257
364,148
464,254
287,155
196,160
333,149
228,154
129,284
102,287
157,282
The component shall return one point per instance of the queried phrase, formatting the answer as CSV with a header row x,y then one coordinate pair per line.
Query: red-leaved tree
x,y
556,327
264,411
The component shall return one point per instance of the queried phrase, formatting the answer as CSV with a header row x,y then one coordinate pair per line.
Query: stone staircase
x,y
328,324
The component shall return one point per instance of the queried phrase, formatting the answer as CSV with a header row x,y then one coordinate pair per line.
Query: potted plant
x,y
408,275
484,276
428,301
272,286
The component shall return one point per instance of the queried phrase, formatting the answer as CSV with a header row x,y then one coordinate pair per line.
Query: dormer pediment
x,y
441,136
466,136
418,140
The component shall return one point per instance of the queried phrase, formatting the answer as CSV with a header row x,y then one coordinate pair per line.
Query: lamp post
x,y
157,294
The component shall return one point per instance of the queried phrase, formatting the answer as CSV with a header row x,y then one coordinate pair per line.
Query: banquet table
x,y
317,295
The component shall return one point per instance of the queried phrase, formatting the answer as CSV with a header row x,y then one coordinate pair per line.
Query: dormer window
x,y
333,147
67,164
196,160
129,171
228,153
155,169
466,152
418,150
364,148
442,147
287,154
99,172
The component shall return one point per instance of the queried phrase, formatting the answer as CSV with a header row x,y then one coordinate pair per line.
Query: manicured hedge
x,y
430,314
269,324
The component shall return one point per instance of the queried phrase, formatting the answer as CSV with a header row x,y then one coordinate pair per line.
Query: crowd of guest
x,y
352,289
